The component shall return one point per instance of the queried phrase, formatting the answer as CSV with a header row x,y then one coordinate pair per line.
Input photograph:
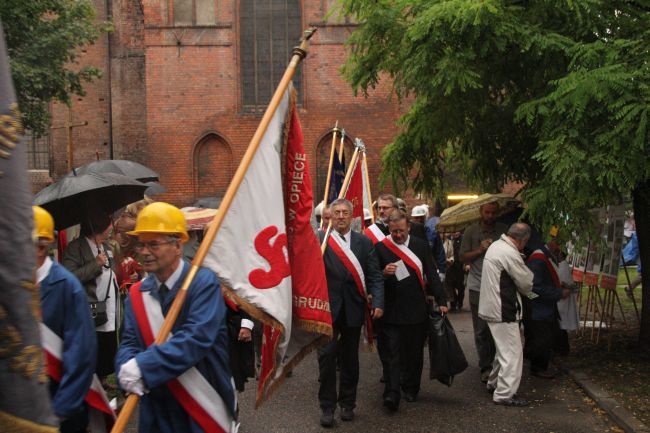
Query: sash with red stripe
x,y
375,234
102,416
351,263
407,256
192,391
552,269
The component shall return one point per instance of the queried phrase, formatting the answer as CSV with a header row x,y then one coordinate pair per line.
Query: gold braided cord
x,y
13,424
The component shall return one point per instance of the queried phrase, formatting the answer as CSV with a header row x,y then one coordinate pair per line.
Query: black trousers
x,y
345,346
539,343
77,423
106,350
401,350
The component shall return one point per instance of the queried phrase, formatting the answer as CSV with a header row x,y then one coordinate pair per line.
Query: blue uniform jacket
x,y
65,311
200,340
543,307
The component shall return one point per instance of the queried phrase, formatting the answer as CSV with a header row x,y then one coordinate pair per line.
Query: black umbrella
x,y
72,198
208,202
127,168
154,188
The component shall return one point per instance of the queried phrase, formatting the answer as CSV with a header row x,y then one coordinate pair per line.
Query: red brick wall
x,y
169,87
192,86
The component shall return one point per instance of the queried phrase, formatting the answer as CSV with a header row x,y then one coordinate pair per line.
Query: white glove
x,y
248,324
441,275
130,378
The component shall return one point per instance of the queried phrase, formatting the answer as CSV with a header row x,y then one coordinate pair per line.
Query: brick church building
x,y
185,84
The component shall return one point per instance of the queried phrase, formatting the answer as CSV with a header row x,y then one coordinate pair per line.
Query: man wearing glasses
x,y
352,273
185,383
386,204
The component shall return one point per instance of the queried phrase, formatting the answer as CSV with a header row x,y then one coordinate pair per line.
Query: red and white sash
x,y
375,234
351,263
192,391
552,267
407,256
102,416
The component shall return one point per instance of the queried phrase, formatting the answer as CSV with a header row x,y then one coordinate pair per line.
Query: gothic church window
x,y
269,29
194,12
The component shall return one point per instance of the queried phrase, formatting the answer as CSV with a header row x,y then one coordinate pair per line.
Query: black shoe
x,y
391,404
544,374
485,375
513,401
490,389
327,418
410,397
347,414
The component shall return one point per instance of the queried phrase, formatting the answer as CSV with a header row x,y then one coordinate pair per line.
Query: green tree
x,y
44,38
551,93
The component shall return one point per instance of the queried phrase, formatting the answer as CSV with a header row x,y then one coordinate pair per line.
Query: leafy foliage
x,y
548,92
44,38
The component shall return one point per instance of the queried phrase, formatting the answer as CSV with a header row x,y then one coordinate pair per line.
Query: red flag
x,y
355,195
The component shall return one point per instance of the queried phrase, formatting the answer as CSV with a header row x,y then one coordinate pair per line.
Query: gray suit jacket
x,y
78,258
346,304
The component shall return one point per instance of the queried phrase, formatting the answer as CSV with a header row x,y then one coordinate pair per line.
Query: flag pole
x,y
342,148
299,53
344,190
329,168
367,180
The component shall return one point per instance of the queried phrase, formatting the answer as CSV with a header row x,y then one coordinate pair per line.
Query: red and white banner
x,y
267,254
375,234
355,195
407,256
192,391
101,415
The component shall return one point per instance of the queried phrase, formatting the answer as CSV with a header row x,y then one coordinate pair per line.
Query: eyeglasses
x,y
338,213
386,207
151,246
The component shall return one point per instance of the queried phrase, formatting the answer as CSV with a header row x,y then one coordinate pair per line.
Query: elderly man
x,y
476,240
352,273
409,278
67,333
185,382
386,204
504,277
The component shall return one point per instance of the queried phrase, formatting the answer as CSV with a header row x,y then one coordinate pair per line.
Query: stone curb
x,y
618,413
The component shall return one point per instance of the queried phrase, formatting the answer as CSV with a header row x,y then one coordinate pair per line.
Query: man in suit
x,y
352,273
386,203
409,279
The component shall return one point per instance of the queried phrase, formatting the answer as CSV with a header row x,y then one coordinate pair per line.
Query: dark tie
x,y
343,237
162,291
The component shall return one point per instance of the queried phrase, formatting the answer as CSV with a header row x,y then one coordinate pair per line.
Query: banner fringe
x,y
12,424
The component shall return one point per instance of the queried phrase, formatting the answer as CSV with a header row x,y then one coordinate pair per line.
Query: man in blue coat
x,y
185,383
66,318
541,315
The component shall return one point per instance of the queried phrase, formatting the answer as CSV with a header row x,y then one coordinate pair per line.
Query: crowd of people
x,y
107,298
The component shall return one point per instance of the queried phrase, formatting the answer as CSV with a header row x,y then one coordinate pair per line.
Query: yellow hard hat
x,y
161,218
43,224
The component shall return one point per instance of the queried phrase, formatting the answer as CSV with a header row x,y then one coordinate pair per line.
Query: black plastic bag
x,y
446,357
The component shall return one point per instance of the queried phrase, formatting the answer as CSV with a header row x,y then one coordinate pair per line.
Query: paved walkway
x,y
558,405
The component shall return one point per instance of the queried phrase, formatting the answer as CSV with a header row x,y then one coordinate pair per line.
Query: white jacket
x,y
504,276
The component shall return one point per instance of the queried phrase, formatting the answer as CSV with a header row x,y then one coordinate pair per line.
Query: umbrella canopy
x,y
208,202
71,199
154,188
457,217
124,167
198,218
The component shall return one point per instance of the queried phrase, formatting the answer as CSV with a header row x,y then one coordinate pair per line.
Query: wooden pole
x,y
329,168
367,180
299,53
342,147
344,190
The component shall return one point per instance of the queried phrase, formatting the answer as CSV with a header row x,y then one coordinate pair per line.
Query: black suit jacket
x,y
405,300
346,304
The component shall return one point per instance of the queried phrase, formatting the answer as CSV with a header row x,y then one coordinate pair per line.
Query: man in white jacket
x,y
504,277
